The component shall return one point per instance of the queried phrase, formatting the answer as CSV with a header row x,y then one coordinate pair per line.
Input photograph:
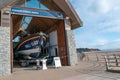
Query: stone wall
x,y
5,68
71,48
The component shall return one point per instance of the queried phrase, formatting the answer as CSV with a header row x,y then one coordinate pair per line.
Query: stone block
x,y
71,48
5,68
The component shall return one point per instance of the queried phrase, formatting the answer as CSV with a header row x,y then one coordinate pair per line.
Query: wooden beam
x,y
62,48
16,20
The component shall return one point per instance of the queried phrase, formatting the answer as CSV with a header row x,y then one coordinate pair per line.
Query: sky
x,y
101,24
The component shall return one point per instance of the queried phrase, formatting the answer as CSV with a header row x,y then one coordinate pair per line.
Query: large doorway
x,y
35,24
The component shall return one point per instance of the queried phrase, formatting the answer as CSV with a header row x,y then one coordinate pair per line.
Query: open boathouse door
x,y
51,23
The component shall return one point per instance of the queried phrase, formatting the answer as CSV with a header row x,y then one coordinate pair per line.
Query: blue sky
x,y
101,24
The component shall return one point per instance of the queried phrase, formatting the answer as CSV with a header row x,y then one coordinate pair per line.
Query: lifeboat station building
x,y
56,18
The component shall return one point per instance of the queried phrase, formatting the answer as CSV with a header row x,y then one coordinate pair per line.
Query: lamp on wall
x,y
67,17
67,23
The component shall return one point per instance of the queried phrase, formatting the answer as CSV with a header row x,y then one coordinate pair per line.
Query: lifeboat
x,y
30,47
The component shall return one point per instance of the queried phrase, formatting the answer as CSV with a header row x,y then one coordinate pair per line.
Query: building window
x,y
25,22
34,4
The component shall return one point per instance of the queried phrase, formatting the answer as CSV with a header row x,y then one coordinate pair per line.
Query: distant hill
x,y
87,49
111,50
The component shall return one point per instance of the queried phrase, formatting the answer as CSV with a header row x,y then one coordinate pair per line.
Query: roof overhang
x,y
4,3
70,12
63,6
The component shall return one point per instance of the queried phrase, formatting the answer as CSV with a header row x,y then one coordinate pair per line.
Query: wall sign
x,y
34,12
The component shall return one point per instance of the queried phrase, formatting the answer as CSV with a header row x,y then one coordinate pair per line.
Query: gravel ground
x,y
85,70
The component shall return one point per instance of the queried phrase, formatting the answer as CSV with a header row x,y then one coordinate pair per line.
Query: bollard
x,y
44,67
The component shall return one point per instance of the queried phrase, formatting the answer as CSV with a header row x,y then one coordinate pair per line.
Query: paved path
x,y
83,71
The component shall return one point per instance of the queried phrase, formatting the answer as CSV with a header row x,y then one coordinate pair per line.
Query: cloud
x,y
109,26
100,6
101,41
112,29
101,44
101,23
104,6
115,44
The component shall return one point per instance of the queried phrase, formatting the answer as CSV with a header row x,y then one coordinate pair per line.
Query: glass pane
x,y
25,22
34,4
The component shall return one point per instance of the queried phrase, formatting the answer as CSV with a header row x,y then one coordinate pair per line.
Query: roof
x,y
66,8
4,3
62,6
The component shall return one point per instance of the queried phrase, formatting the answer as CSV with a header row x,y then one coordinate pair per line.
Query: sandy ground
x,y
85,70
91,68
